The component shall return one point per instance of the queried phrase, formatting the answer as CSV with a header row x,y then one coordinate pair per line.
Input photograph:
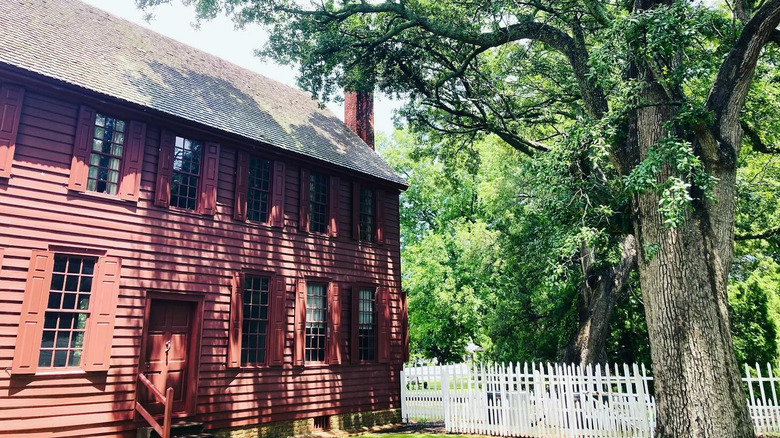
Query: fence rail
x,y
546,400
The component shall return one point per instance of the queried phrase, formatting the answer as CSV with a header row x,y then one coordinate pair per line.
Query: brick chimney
x,y
359,114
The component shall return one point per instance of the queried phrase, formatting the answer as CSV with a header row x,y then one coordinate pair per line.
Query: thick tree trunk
x,y
683,273
599,291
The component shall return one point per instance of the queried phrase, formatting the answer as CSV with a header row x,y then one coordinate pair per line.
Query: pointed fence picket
x,y
554,400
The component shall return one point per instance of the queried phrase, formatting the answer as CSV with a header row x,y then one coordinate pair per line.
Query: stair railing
x,y
166,400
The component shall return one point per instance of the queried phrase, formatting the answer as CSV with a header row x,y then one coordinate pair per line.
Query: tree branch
x,y
756,236
728,92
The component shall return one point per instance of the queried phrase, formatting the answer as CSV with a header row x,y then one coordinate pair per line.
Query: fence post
x,y
404,413
445,397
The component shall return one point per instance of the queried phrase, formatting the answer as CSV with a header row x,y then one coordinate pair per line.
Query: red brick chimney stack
x,y
359,114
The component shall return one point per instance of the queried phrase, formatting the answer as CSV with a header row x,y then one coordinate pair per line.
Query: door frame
x,y
193,361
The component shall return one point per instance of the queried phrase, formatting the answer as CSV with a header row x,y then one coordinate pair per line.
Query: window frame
x,y
199,176
122,167
325,205
268,320
326,322
355,335
75,311
269,192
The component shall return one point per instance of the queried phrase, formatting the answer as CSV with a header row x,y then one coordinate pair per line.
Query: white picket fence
x,y
551,400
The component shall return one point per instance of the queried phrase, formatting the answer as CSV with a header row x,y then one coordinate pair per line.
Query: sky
x,y
220,37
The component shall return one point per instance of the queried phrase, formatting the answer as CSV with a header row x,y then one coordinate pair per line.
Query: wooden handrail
x,y
166,400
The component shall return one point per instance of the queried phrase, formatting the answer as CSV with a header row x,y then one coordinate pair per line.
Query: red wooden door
x,y
167,350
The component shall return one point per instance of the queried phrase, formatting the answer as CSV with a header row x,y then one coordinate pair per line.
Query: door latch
x,y
167,347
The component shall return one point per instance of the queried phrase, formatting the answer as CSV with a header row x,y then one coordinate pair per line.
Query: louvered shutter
x,y
207,194
383,316
242,186
236,321
356,211
277,196
162,191
102,315
82,145
354,338
300,323
380,216
303,210
334,324
36,295
278,324
132,161
11,98
333,204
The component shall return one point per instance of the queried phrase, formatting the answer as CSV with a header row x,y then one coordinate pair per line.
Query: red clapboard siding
x,y
170,250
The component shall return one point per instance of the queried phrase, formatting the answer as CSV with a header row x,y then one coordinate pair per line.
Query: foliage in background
x,y
489,256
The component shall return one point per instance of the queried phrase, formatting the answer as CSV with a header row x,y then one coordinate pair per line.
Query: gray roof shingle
x,y
82,45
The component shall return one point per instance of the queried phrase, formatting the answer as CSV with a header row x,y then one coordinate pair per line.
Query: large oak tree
x,y
619,84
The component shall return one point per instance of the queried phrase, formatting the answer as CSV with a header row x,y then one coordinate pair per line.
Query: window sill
x,y
55,373
104,197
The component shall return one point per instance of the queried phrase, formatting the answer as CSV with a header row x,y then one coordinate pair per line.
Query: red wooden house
x,y
178,233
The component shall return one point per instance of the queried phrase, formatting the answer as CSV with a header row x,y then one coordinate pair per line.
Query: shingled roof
x,y
73,42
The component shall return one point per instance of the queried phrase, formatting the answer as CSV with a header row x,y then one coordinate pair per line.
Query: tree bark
x,y
697,380
598,293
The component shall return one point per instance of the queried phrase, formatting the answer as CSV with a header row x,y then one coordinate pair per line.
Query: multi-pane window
x,y
259,189
318,203
367,323
108,138
316,322
366,214
255,323
186,171
65,319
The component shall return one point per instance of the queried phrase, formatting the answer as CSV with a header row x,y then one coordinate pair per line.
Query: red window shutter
x,y
132,161
36,295
207,200
242,185
300,322
11,98
354,339
162,194
356,211
102,315
334,324
380,216
278,321
333,205
236,321
405,326
82,145
303,211
277,196
383,316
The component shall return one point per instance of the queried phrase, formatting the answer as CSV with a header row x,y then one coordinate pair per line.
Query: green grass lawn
x,y
413,434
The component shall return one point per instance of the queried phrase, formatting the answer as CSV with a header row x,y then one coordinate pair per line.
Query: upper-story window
x,y
186,172
65,319
106,156
366,214
259,189
318,203
316,322
255,319
367,324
